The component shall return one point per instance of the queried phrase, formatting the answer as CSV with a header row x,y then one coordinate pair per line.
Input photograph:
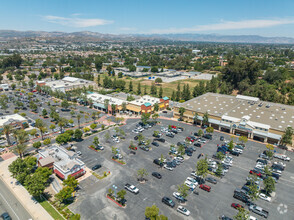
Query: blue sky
x,y
260,17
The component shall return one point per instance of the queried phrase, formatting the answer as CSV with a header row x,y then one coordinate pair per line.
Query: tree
x,y
287,137
52,127
242,214
65,104
200,133
93,126
219,170
202,167
65,193
124,106
121,194
107,136
139,89
205,118
78,134
231,145
86,129
145,117
220,155
79,119
158,80
96,141
156,107
181,149
20,149
269,185
72,112
209,129
113,109
37,144
130,86
71,182
44,113
142,173
62,122
183,190
243,139
152,212
155,117
63,138
7,130
253,189
75,217
35,184
47,141
160,92
178,93
195,118
40,124
182,111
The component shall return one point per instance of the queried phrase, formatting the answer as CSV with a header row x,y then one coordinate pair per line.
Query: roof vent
x,y
258,116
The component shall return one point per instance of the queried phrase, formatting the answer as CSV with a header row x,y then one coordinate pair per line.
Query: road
x,y
8,203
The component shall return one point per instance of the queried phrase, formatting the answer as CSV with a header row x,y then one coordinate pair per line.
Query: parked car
x,y
168,201
132,188
179,197
264,197
155,143
221,138
183,210
237,206
211,180
157,175
255,172
6,216
197,144
158,162
205,187
159,139
168,167
96,167
169,134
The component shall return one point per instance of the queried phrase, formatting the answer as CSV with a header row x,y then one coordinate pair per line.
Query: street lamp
x,y
115,188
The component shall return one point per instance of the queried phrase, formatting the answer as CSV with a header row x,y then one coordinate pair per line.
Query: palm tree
x,y
40,124
79,116
62,122
21,137
7,130
20,149
94,117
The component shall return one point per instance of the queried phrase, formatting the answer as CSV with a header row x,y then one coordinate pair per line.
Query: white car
x,y
260,166
280,163
167,167
79,153
282,157
183,210
229,158
192,180
279,172
192,186
179,159
265,197
135,131
238,150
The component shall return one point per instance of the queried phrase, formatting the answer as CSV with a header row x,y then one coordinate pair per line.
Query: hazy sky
x,y
260,17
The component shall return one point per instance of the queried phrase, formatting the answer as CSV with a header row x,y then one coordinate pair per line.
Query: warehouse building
x,y
240,115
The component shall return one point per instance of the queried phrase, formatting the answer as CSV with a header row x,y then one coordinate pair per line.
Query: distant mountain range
x,y
95,36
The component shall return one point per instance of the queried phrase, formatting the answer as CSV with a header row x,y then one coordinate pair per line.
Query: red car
x,y
205,187
237,206
190,139
133,147
255,173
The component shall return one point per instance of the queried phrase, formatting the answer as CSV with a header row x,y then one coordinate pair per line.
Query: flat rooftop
x,y
278,116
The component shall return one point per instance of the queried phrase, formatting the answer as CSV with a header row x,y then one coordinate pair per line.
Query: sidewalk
x,y
35,209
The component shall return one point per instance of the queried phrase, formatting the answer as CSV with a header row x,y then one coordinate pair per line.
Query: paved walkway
x,y
35,209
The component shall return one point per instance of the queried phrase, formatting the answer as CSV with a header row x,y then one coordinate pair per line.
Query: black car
x,y
181,143
6,216
136,137
278,167
158,162
145,148
157,175
155,143
234,153
174,131
208,136
196,134
189,153
197,145
221,138
262,161
171,164
168,201
211,180
199,179
96,167
159,139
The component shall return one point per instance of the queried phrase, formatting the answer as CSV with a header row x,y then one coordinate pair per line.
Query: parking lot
x,y
93,204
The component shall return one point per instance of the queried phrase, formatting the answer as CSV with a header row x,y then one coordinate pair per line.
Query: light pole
x,y
115,188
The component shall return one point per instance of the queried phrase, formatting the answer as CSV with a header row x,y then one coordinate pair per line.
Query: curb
x,y
118,162
114,201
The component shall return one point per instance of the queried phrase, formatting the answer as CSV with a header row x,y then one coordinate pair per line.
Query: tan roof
x,y
45,161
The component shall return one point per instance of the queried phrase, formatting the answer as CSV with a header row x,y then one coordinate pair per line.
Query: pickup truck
x,y
132,188
258,210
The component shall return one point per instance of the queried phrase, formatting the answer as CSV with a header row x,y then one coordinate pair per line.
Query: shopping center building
x,y
240,115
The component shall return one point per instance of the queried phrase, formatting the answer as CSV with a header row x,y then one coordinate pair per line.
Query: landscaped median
x,y
119,161
49,208
118,198
105,174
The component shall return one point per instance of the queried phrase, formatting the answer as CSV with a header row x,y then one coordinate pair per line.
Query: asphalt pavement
x,y
9,204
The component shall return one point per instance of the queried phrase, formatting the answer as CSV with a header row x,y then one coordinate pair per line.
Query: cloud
x,y
77,22
228,25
